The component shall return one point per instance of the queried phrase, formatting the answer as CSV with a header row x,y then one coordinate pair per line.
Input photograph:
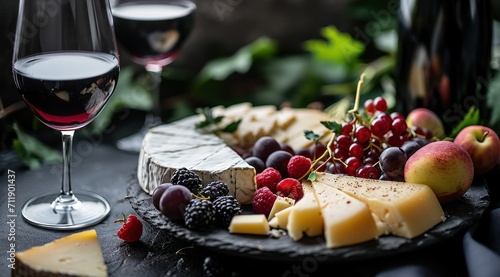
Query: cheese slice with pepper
x,y
407,210
78,254
305,216
347,221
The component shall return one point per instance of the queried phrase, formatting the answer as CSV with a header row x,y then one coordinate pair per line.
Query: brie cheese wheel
x,y
168,147
78,254
407,210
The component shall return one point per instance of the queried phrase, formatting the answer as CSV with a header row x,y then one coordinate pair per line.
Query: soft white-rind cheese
x,y
171,146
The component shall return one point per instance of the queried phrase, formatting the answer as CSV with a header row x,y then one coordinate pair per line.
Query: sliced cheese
x,y
280,219
407,210
78,254
280,204
305,216
255,224
346,220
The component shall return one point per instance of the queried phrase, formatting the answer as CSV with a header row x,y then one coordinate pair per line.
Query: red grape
x,y
367,172
380,104
356,150
362,134
173,202
380,127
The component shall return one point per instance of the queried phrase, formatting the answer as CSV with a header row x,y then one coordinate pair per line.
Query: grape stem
x,y
358,93
354,111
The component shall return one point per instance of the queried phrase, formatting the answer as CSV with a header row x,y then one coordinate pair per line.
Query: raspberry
x,y
131,229
269,177
225,208
187,178
298,166
199,214
291,188
263,201
214,190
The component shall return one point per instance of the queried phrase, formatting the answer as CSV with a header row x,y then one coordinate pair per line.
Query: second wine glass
x,y
152,32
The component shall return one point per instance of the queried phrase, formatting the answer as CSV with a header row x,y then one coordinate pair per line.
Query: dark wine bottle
x,y
443,59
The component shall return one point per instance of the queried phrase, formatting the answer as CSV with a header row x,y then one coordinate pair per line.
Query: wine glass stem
x,y
66,199
154,118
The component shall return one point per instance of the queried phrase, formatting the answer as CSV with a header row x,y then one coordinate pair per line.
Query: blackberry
x,y
212,267
187,178
215,189
225,208
199,214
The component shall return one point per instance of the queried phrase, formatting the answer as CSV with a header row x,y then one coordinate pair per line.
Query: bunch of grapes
x,y
374,143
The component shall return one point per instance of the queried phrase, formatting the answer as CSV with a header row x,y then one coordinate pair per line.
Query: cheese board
x,y
460,215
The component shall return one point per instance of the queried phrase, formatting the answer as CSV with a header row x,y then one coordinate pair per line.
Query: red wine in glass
x,y
62,97
65,65
153,31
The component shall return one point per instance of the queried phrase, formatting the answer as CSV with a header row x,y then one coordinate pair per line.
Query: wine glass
x,y
152,32
65,66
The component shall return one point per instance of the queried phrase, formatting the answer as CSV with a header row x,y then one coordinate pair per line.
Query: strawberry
x,y
263,201
290,187
269,177
131,229
298,166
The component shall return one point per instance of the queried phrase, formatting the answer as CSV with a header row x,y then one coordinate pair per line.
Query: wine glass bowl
x,y
152,32
65,66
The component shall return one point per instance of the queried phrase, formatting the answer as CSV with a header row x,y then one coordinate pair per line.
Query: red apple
x,y
482,144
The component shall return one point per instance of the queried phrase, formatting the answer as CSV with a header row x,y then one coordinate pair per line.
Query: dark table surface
x,y
102,168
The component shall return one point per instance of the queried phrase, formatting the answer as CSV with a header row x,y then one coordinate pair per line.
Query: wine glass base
x,y
92,209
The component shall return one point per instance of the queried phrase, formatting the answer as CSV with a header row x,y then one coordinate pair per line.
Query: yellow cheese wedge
x,y
407,210
255,224
305,216
347,220
280,219
280,204
78,254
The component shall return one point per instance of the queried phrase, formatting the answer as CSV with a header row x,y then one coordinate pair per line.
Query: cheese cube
x,y
255,224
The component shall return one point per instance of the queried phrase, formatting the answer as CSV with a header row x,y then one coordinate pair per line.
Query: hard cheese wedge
x,y
305,216
347,220
407,210
78,254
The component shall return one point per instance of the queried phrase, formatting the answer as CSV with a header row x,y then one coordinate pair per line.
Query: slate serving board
x,y
460,215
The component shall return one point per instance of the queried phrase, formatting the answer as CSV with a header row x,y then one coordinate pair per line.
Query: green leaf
x,y
240,62
310,135
333,126
32,152
472,117
312,176
339,48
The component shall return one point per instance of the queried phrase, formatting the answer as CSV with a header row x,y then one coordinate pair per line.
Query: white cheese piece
x,y
407,210
255,224
280,204
305,216
76,255
171,146
347,221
